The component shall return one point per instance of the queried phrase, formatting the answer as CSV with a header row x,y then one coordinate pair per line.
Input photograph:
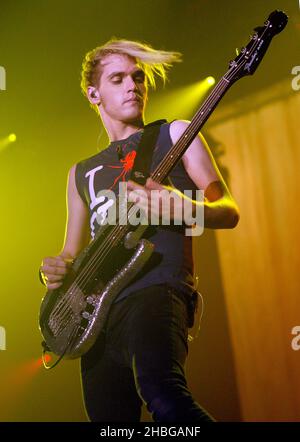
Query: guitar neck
x,y
178,149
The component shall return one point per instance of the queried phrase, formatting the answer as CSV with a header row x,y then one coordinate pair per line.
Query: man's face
x,y
122,88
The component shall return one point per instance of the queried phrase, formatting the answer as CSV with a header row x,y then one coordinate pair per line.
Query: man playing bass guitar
x,y
142,356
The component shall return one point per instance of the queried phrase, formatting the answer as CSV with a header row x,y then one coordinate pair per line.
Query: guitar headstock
x,y
250,56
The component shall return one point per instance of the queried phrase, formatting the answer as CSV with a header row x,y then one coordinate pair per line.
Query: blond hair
x,y
153,62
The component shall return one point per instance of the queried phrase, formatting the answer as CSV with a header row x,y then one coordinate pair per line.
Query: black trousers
x,y
141,358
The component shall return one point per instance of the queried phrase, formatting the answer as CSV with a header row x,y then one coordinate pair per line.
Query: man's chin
x,y
137,120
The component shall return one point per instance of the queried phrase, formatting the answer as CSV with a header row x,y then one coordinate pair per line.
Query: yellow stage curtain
x,y
260,259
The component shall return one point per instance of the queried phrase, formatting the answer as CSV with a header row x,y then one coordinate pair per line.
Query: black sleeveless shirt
x,y
172,260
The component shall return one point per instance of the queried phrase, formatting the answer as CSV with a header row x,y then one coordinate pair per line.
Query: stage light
x,y
7,140
180,103
12,138
210,80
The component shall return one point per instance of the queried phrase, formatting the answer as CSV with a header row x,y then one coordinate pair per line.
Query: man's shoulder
x,y
88,161
177,127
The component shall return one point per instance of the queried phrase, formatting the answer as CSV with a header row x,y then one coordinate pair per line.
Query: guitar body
x,y
72,316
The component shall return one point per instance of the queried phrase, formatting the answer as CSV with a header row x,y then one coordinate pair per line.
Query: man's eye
x,y
140,78
116,80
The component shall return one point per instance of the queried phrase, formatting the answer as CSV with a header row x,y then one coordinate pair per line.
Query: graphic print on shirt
x,y
127,164
100,204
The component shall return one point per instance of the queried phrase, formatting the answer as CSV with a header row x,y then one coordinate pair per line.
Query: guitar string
x,y
99,256
160,169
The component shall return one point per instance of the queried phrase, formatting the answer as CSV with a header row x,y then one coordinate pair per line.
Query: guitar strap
x,y
142,164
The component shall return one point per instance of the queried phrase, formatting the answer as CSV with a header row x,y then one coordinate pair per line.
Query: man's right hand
x,y
53,270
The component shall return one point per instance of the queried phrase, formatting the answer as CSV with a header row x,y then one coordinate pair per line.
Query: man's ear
x,y
93,95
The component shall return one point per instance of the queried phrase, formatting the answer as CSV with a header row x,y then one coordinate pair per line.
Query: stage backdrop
x,y
259,260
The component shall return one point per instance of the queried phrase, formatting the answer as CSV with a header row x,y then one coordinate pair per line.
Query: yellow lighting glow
x,y
12,138
210,80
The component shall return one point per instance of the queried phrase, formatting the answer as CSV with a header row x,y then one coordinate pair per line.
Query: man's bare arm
x,y
77,233
220,209
77,236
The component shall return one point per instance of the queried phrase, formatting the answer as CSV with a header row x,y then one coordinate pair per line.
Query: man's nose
x,y
130,83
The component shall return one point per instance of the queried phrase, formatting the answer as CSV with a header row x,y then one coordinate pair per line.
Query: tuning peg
x,y
241,51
